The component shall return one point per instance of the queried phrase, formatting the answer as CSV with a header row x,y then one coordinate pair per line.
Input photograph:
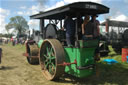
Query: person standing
x,y
96,27
79,22
87,28
0,54
69,25
86,20
91,31
96,35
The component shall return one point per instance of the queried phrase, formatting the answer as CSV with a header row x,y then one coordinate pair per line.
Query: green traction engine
x,y
51,51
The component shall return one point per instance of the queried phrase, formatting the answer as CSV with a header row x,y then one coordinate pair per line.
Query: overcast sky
x,y
25,8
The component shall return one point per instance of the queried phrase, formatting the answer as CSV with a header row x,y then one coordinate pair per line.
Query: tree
x,y
18,23
7,27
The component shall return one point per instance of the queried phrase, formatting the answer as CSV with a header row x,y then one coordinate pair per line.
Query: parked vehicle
x,y
116,34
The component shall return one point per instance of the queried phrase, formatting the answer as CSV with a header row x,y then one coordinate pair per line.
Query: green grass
x,y
114,74
16,64
113,55
17,47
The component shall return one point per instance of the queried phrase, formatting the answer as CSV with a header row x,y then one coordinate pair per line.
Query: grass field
x,y
16,71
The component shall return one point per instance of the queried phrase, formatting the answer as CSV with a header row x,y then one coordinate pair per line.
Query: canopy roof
x,y
83,8
115,23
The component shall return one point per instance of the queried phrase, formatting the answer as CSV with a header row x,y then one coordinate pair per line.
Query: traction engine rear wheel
x,y
51,54
32,57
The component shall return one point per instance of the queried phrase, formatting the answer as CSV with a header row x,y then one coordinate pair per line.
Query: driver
x,y
69,25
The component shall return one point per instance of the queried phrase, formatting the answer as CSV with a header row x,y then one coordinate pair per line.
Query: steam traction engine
x,y
117,34
54,56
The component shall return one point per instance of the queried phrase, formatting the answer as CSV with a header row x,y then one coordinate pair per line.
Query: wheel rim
x,y
50,57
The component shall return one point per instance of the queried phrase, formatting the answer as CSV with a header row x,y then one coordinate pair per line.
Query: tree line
x,y
6,35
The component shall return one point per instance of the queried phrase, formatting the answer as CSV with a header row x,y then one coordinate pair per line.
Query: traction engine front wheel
x,y
51,54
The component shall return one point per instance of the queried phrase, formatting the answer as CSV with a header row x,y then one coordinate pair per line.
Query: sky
x,y
25,8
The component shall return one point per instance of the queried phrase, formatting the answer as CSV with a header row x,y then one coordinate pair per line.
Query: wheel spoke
x,y
51,51
52,58
46,64
45,56
47,49
51,68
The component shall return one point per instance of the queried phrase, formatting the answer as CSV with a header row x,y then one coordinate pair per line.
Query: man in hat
x,y
96,26
96,35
